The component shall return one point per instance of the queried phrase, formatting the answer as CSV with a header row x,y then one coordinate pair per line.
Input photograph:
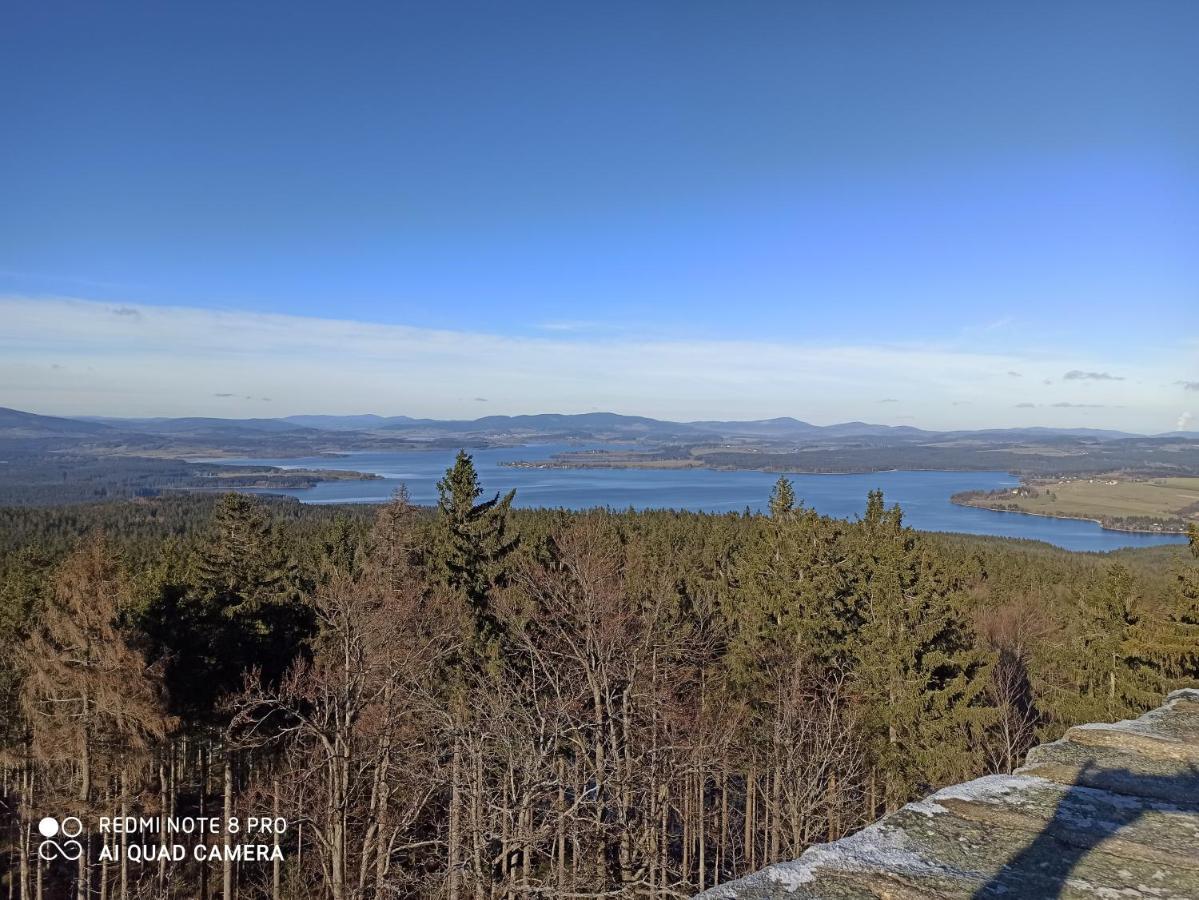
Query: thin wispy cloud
x,y
572,326
1065,405
309,364
999,324
1079,375
75,281
1188,385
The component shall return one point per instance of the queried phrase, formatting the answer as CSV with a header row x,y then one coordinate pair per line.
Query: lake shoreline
x,y
1041,515
540,481
684,466
1157,506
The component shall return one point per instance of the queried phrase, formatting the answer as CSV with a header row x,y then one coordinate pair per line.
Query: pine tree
x,y
1176,639
782,500
340,551
471,542
791,598
916,662
240,610
241,568
397,539
1117,657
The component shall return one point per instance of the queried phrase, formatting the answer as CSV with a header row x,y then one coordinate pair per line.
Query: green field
x,y
1149,505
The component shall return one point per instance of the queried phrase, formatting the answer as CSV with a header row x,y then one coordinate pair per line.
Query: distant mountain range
x,y
15,423
57,459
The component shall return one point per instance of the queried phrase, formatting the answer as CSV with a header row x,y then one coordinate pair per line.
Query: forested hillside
x,y
481,702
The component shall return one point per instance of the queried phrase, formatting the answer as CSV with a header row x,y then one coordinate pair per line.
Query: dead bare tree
x,y
96,710
348,726
1013,633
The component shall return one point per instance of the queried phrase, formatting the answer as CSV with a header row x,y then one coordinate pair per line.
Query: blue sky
x,y
856,192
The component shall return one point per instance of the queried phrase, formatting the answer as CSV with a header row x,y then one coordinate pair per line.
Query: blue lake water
x,y
924,496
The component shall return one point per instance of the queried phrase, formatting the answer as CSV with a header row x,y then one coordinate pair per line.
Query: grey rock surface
x,y
1110,811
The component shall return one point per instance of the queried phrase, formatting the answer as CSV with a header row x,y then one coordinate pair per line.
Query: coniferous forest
x,y
476,702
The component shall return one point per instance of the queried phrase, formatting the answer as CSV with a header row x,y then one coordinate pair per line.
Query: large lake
x,y
924,496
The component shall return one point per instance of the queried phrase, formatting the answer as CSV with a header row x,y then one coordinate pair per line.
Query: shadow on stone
x,y
1049,860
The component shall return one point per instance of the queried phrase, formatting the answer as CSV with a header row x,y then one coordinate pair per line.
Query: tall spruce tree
x,y
916,662
791,599
241,609
471,542
1183,621
1117,648
782,499
1175,639
340,551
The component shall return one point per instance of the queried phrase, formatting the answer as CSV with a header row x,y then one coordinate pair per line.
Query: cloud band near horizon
x,y
71,356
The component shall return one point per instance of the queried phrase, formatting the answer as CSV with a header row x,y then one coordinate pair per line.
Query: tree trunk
x,y
685,813
700,829
104,870
26,829
722,846
162,833
276,865
124,876
664,837
455,837
749,862
205,754
506,839
477,854
775,819
227,838
561,839
85,792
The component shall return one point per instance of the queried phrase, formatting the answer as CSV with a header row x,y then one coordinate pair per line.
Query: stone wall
x,y
1110,811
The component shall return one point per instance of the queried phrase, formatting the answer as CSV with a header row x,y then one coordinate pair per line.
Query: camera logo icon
x,y
50,828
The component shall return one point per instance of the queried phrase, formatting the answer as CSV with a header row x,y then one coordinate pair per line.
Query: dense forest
x,y
480,702
1056,457
31,474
